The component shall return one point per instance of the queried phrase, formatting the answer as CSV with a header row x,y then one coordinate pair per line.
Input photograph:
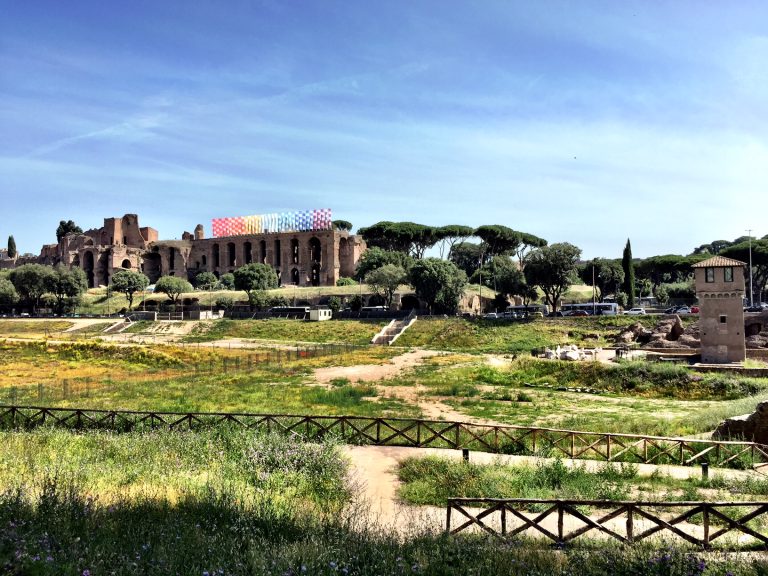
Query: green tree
x,y
11,247
31,282
629,274
206,281
67,227
342,225
759,263
173,287
254,279
65,285
553,269
385,281
662,294
469,256
8,294
452,234
607,274
438,282
334,303
129,282
406,237
502,275
499,239
374,258
227,281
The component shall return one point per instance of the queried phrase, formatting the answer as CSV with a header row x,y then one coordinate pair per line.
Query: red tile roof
x,y
718,261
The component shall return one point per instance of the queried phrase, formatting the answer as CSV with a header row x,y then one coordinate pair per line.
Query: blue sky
x,y
588,122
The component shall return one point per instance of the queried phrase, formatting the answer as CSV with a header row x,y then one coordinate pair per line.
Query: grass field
x,y
432,480
229,502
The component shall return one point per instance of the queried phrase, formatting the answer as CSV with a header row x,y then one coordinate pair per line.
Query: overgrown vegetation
x,y
433,479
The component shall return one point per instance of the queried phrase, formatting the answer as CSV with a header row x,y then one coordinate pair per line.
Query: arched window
x,y
215,256
247,247
126,264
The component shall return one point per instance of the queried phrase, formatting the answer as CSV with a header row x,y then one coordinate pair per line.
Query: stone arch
x,y
315,250
294,251
215,257
231,259
263,251
126,264
277,257
88,265
247,252
295,279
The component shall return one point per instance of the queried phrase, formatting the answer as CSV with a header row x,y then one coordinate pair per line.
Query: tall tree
x,y
438,282
173,287
255,278
450,235
129,282
607,274
468,256
8,295
499,239
344,225
553,269
528,242
374,258
629,274
67,227
66,285
31,282
384,281
11,247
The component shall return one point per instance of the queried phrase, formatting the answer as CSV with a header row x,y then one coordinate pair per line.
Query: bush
x,y
346,281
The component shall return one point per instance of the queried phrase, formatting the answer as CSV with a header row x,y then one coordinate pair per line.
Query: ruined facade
x,y
313,258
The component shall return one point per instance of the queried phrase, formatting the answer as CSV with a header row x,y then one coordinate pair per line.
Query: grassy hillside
x,y
518,337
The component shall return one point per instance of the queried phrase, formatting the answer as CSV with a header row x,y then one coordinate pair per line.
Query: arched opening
x,y
248,256
76,260
277,255
172,260
314,275
88,268
295,276
204,260
294,251
215,256
126,264
152,266
409,302
263,252
231,260
315,250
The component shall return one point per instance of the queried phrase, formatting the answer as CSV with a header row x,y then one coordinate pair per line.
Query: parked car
x,y
683,310
670,310
557,314
755,308
579,313
492,316
635,312
694,309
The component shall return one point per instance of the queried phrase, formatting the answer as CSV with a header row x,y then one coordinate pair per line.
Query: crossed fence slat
x,y
665,518
414,432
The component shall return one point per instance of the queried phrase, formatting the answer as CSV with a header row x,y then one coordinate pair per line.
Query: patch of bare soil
x,y
373,372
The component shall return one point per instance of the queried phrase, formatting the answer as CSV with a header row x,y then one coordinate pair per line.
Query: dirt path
x,y
374,470
373,372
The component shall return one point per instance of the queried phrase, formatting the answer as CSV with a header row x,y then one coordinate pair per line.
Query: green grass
x,y
347,331
496,336
432,480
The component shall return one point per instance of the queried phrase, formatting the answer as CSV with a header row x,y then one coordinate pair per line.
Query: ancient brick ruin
x,y
312,258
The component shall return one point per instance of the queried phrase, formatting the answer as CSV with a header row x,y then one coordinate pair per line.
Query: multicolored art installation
x,y
302,221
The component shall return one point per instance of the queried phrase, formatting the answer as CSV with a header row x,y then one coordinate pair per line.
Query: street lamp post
x,y
593,290
751,301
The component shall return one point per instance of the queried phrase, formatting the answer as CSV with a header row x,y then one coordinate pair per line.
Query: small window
x,y
728,274
709,274
723,319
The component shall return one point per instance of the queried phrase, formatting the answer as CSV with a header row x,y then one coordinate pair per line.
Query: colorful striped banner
x,y
301,221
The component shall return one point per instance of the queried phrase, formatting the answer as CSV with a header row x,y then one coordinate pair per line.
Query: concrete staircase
x,y
393,330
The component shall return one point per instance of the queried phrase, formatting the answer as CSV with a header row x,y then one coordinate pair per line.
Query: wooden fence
x,y
562,521
519,440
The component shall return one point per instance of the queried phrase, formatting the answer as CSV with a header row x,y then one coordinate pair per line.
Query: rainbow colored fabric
x,y
302,221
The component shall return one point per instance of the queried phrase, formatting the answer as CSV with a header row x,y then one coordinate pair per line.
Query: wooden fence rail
x,y
562,521
413,432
